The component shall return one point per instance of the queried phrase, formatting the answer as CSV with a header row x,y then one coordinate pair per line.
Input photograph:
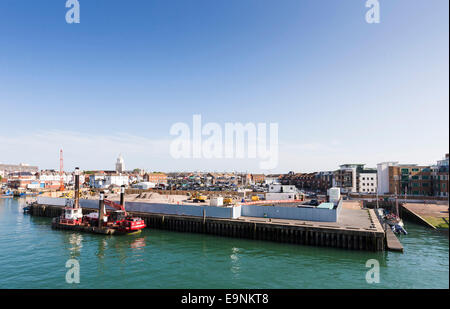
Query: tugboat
x,y
115,222
118,220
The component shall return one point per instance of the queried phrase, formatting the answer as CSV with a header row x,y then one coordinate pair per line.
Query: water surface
x,y
32,255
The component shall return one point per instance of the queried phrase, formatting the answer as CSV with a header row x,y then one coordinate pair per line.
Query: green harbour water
x,y
32,255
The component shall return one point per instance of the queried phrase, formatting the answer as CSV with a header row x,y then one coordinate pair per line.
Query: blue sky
x,y
341,90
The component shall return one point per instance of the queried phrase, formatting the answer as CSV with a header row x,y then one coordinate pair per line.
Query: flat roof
x,y
326,205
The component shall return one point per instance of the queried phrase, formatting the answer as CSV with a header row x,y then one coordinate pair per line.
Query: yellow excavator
x,y
67,194
197,197
255,198
227,201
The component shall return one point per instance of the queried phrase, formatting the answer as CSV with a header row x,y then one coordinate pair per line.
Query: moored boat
x,y
117,221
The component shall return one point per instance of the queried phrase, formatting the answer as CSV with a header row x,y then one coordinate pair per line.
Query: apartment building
x,y
367,181
346,177
258,178
440,173
157,178
383,170
355,178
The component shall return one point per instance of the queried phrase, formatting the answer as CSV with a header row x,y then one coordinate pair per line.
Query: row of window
x,y
368,190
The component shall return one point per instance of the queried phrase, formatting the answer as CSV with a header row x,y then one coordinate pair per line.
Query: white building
x,y
49,176
117,180
367,183
383,176
104,181
334,195
278,188
272,179
120,165
144,185
282,192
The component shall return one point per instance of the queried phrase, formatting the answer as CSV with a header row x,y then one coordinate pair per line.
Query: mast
x,y
396,201
77,188
377,200
101,209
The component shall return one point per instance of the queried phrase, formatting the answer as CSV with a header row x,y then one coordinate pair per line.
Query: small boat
x,y
395,223
393,219
399,229
7,194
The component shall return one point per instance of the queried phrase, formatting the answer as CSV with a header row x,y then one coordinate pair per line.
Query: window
x,y
425,177
415,169
405,171
415,177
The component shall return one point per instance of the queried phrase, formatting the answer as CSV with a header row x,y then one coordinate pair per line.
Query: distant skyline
x,y
340,89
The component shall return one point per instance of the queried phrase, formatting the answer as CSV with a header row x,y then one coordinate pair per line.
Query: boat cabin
x,y
72,213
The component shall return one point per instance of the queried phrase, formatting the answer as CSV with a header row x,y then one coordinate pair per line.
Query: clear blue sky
x,y
341,90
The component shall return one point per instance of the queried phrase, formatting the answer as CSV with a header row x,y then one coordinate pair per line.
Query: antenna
x,y
61,171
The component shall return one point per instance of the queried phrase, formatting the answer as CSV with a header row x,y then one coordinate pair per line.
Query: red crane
x,y
115,205
61,171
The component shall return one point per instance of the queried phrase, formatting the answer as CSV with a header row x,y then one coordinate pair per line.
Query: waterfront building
x,y
355,178
440,173
346,177
383,176
410,179
21,180
367,181
325,180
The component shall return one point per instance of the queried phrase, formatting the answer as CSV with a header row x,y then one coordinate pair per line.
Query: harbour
x,y
159,258
288,231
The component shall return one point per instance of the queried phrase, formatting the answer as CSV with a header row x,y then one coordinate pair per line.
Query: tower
x,y
120,166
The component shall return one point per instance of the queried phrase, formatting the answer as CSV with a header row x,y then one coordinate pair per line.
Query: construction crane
x,y
61,171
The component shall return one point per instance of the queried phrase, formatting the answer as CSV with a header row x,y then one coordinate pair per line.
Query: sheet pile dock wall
x,y
302,234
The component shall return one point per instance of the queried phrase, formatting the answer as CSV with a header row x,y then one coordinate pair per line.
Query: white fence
x,y
278,212
169,209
